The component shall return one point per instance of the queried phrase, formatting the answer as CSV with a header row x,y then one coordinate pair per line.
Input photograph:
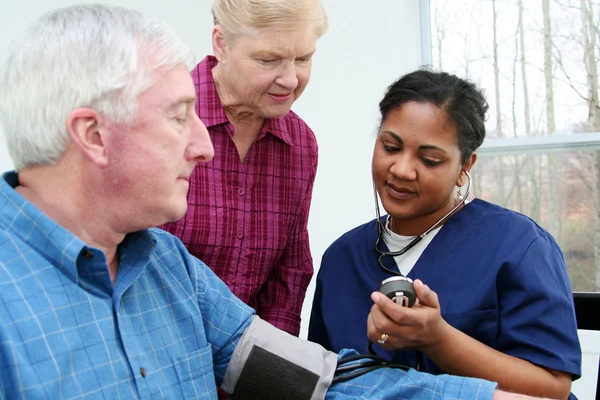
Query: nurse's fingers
x,y
385,312
377,326
425,295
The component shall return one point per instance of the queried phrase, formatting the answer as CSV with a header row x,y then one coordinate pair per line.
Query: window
x,y
538,63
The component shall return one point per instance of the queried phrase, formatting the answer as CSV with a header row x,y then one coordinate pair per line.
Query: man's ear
x,y
85,127
219,42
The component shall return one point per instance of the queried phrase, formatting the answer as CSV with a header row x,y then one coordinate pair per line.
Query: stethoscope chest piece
x,y
400,290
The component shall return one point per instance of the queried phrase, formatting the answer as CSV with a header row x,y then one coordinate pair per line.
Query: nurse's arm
x,y
457,353
460,354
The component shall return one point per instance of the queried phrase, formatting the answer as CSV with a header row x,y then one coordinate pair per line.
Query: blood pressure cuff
x,y
271,364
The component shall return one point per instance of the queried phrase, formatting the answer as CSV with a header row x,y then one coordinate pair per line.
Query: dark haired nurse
x,y
494,297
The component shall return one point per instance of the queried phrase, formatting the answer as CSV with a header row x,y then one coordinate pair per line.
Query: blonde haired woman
x,y
248,208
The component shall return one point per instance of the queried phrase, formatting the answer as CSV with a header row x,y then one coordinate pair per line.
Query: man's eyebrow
x,y
183,100
189,99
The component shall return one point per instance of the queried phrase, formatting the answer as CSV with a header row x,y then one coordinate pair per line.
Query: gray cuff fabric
x,y
271,364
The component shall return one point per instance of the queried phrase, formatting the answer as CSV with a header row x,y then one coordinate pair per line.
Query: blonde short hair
x,y
240,17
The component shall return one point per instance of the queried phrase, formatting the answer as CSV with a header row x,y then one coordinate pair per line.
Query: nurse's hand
x,y
416,328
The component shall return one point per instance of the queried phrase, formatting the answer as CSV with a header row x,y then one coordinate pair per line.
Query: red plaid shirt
x,y
248,220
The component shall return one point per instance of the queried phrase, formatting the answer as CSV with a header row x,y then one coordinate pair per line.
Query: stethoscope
x,y
398,288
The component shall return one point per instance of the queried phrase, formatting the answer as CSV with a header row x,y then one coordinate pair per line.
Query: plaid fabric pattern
x,y
248,220
166,330
387,383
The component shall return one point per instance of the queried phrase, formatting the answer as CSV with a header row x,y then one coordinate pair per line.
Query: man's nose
x,y
200,147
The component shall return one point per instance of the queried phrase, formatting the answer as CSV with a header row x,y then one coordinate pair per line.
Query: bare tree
x,y
535,94
587,90
535,206
548,70
497,71
522,49
553,213
440,30
589,28
498,161
516,163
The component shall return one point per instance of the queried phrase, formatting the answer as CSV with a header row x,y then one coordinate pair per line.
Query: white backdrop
x,y
369,44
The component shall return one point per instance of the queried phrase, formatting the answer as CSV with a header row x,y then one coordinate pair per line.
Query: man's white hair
x,y
82,56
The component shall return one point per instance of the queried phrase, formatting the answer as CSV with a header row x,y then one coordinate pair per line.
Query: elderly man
x,y
98,109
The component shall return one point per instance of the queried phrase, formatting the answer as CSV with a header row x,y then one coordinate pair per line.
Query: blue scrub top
x,y
499,276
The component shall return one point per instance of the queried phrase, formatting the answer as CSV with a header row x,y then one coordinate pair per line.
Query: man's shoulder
x,y
170,252
13,248
168,246
183,269
7,250
26,269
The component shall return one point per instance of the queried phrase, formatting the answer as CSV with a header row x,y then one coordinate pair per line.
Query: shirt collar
x,y
211,111
59,246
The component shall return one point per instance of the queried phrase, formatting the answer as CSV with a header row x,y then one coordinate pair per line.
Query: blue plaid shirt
x,y
166,329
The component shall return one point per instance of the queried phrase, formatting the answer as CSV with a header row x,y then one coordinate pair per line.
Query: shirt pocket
x,y
481,325
196,374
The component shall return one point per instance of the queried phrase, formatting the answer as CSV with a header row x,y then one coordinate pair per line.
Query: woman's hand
x,y
454,352
413,328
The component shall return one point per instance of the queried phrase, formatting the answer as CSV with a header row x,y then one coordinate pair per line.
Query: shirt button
x,y
241,192
143,372
240,235
87,254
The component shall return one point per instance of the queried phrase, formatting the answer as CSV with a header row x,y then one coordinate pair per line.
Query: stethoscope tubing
x,y
442,220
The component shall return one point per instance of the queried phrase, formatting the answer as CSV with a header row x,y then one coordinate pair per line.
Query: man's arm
x,y
225,317
253,359
271,364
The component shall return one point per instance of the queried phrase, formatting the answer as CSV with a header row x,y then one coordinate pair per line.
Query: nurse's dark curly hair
x,y
462,101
